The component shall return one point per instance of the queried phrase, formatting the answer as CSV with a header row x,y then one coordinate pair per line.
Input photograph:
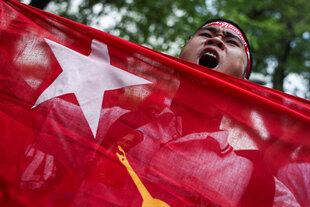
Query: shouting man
x,y
220,45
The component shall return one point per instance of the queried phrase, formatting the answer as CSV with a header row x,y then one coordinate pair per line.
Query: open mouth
x,y
209,59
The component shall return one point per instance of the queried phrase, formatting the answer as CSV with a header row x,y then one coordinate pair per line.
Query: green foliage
x,y
278,31
157,24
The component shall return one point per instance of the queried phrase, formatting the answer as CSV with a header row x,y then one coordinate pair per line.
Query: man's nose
x,y
216,42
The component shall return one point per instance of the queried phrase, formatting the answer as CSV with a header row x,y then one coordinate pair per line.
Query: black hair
x,y
247,42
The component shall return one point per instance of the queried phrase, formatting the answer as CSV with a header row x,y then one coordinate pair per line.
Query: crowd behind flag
x,y
89,119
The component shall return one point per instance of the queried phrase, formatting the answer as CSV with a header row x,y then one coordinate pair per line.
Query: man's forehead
x,y
218,29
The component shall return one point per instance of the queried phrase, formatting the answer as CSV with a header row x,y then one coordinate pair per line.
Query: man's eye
x,y
206,35
233,42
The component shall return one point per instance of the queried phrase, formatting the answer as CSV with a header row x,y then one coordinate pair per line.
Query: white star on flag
x,y
88,77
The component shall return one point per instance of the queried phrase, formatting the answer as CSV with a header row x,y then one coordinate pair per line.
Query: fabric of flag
x,y
89,119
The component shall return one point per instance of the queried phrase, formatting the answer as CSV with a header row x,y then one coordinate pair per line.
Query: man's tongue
x,y
209,60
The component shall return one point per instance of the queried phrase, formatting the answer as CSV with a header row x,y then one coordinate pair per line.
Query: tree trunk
x,y
40,4
279,74
278,78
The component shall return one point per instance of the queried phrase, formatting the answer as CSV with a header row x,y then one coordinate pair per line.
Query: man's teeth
x,y
210,54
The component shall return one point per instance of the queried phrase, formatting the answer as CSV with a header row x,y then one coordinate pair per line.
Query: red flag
x,y
88,119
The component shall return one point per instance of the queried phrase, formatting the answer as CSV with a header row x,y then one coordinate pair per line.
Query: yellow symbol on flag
x,y
148,200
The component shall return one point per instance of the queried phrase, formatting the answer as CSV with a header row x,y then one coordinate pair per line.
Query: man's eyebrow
x,y
211,29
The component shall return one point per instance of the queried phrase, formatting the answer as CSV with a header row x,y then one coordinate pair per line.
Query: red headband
x,y
237,31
